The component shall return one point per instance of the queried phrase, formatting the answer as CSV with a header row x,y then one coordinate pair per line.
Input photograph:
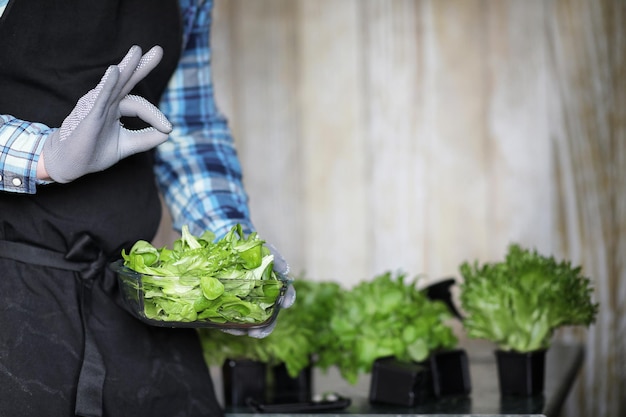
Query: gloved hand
x,y
92,138
281,267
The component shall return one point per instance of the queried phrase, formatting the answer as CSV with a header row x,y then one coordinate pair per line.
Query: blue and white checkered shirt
x,y
197,169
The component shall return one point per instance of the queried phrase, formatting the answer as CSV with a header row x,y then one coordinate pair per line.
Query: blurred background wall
x,y
412,135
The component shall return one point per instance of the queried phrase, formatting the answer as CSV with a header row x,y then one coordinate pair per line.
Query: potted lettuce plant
x,y
389,328
518,303
277,368
243,363
300,336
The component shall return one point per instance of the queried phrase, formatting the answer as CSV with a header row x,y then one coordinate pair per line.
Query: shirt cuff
x,y
21,144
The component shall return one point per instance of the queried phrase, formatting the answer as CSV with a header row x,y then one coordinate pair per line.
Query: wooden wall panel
x,y
333,163
520,150
455,132
394,148
588,69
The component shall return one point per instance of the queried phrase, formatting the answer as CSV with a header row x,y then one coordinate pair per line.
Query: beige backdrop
x,y
414,135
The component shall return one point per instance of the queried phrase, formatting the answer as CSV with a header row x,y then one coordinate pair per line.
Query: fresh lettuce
x,y
519,302
349,328
228,280
387,316
301,332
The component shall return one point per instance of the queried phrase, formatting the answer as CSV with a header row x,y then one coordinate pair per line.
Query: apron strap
x,y
89,261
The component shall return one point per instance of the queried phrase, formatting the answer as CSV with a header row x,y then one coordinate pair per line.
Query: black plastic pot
x,y
444,373
450,373
521,374
286,389
243,379
400,383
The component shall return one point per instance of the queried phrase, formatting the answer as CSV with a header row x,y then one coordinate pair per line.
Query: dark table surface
x,y
562,365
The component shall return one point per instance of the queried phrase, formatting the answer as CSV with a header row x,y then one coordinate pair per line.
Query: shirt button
x,y
17,182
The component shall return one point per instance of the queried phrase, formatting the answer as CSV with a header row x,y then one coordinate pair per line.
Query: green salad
x,y
520,301
387,316
230,280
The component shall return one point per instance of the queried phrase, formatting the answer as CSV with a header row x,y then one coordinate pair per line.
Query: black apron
x,y
66,345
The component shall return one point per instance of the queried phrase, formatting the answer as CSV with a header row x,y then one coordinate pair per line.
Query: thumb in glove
x,y
92,138
281,267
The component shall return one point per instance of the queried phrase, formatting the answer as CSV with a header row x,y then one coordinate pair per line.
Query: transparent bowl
x,y
179,302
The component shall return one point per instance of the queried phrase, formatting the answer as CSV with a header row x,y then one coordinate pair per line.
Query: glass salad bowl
x,y
196,301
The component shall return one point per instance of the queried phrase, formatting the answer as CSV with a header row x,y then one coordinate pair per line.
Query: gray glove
x,y
92,138
281,268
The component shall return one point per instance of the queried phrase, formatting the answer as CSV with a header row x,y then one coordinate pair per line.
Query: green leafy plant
x,y
387,316
228,280
299,334
302,332
519,302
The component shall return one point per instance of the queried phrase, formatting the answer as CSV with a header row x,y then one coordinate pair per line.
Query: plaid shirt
x,y
197,169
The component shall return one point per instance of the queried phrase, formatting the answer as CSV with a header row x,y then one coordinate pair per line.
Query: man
x,y
84,153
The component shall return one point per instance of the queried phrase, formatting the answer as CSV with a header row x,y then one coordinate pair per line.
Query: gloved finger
x,y
133,55
127,67
262,332
146,64
289,298
234,332
132,142
280,264
103,90
136,106
93,104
